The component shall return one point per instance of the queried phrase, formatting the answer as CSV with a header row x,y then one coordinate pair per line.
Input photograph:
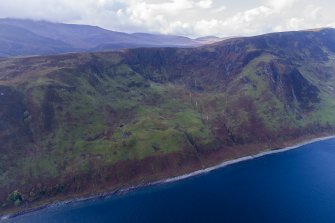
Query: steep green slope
x,y
84,123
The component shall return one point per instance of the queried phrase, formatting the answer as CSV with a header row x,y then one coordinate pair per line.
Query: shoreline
x,y
238,160
168,180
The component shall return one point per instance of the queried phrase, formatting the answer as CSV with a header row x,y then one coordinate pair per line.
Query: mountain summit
x,y
28,37
81,124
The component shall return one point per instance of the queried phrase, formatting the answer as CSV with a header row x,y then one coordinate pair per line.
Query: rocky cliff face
x,y
81,123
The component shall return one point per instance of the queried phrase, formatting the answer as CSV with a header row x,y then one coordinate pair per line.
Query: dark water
x,y
293,186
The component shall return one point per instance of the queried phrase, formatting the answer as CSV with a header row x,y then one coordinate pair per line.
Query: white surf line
x,y
245,158
178,178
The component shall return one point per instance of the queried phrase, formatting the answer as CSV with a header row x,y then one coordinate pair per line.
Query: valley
x,y
81,124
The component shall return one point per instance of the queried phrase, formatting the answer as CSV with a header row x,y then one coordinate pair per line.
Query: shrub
x,y
15,198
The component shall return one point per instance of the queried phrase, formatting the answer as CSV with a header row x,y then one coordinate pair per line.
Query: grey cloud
x,y
185,17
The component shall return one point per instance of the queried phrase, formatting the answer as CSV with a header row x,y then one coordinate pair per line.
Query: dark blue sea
x,y
296,186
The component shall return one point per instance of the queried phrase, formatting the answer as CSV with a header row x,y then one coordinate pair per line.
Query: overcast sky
x,y
183,17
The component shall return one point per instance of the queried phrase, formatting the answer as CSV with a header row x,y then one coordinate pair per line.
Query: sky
x,y
191,18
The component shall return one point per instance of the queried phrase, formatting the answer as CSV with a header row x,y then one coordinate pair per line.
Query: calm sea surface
x,y
294,186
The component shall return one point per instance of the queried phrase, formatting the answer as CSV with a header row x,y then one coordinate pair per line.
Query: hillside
x,y
80,124
28,37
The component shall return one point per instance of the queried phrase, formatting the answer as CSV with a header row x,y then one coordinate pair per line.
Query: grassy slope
x,y
84,113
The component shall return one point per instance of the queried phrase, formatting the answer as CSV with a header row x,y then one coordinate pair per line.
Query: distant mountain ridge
x,y
81,124
28,37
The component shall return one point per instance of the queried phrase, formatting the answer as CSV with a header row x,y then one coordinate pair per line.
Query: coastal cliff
x,y
80,124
